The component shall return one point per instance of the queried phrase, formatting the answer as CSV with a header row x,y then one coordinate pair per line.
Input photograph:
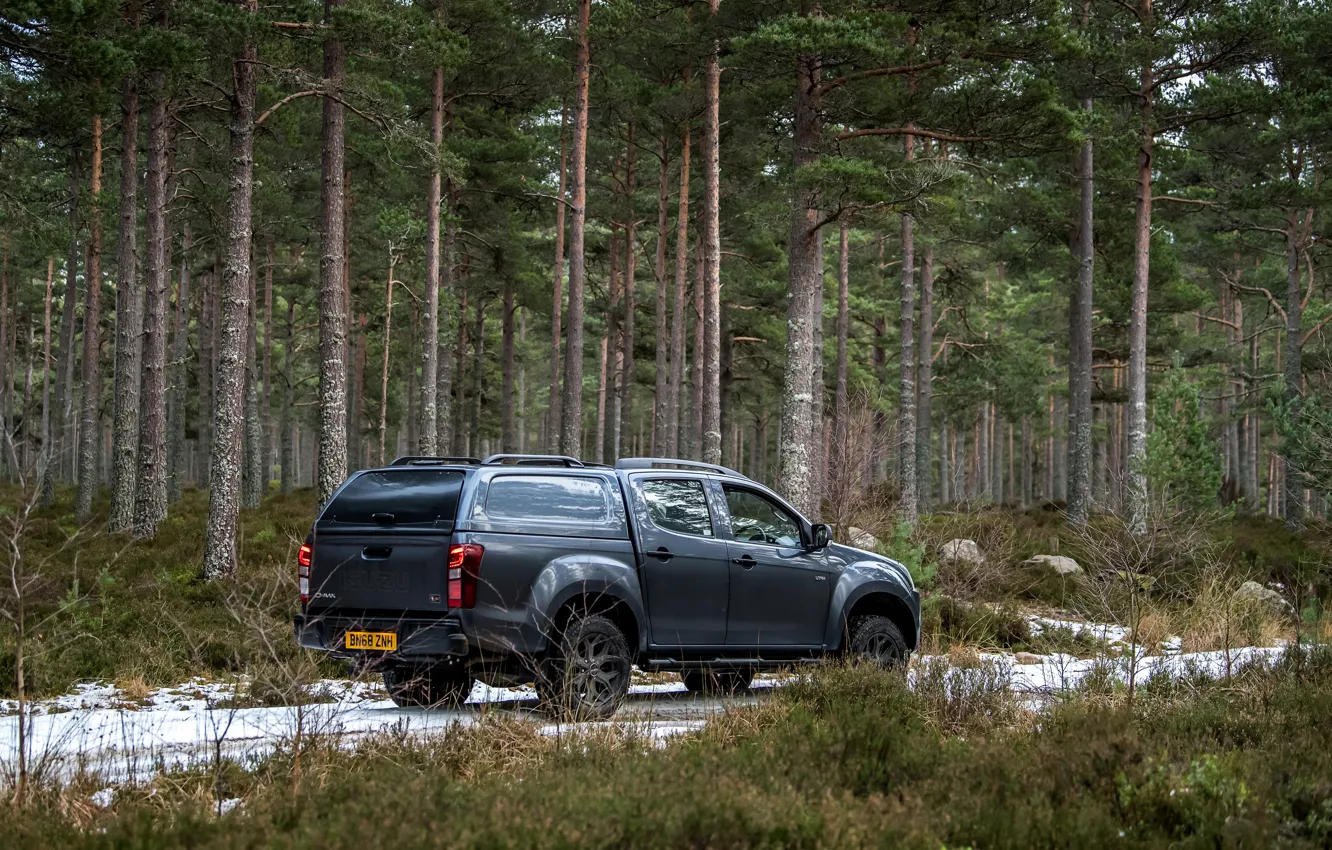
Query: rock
x,y
962,552
1255,594
1029,658
1059,564
861,539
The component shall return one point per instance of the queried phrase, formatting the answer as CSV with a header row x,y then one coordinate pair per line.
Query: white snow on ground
x,y
98,729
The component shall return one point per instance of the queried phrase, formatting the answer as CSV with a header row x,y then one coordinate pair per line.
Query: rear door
x,y
381,546
682,559
779,591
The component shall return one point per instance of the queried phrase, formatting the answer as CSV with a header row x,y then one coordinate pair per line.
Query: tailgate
x,y
391,572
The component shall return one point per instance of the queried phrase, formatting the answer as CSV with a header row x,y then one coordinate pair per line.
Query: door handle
x,y
662,554
376,553
746,561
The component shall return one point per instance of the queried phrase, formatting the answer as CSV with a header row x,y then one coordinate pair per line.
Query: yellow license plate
x,y
383,641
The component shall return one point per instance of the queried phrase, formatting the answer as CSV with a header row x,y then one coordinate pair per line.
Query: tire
x,y
589,676
878,640
723,682
427,687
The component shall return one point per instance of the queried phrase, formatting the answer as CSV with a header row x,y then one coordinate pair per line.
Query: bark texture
x,y
430,344
1080,347
571,414
804,251
925,384
54,450
332,294
711,409
90,426
150,502
1136,472
661,373
226,456
675,431
553,421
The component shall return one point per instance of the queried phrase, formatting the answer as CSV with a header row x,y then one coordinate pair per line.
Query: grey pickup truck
x,y
522,568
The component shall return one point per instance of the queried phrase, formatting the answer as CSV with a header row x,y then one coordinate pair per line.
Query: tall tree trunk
x,y
225,477
91,427
508,422
841,408
614,356
430,349
599,434
384,377
150,496
1293,503
696,367
266,397
1136,490
553,420
804,249
662,372
204,373
478,372
925,385
356,454
1080,346
571,428
907,485
8,458
625,442
711,408
64,358
332,295
287,455
44,457
180,338
674,445
448,322
253,483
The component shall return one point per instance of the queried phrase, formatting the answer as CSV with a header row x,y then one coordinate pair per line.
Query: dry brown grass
x,y
1154,627
133,687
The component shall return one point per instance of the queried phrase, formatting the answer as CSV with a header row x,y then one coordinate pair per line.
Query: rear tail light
x,y
303,559
464,569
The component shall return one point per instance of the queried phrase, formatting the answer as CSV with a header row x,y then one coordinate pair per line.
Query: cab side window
x,y
757,519
679,505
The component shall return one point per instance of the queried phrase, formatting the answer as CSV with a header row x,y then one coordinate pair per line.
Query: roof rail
x,y
429,460
654,462
532,460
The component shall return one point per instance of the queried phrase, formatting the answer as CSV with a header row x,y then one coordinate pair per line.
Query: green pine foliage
x,y
1183,462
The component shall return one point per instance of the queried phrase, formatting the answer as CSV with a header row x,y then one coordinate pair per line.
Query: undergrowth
x,y
843,757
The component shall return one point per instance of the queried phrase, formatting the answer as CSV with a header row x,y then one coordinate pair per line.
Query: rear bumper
x,y
417,638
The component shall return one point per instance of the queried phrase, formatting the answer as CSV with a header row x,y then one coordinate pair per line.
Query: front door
x,y
779,591
684,563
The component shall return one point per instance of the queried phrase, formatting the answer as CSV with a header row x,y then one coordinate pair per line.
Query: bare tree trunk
x,y
553,420
614,355
253,483
204,374
384,377
662,377
804,248
571,428
1080,347
1026,462
522,380
64,365
711,407
225,478
430,348
1293,507
624,443
180,338
150,496
841,410
266,398
356,424
696,366
925,385
286,453
478,371
508,425
599,440
448,322
8,458
908,494
44,456
673,445
1136,490
91,414
332,296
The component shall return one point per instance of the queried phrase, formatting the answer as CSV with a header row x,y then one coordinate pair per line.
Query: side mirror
x,y
822,536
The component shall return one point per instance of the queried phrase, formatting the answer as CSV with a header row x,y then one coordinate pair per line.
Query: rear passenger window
x,y
400,497
678,504
548,498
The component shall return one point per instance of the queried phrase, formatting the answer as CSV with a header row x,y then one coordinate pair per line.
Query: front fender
x,y
861,579
586,574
